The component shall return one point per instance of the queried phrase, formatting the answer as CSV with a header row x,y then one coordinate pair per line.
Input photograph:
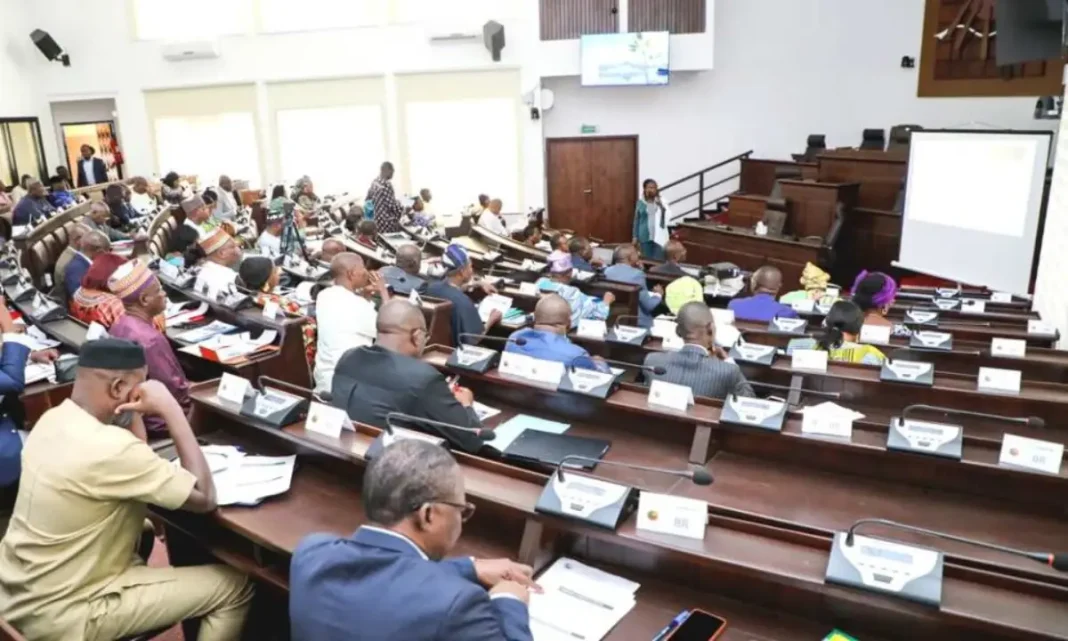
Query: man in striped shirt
x,y
387,211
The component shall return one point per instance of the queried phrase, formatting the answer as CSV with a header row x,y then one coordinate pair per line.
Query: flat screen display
x,y
625,59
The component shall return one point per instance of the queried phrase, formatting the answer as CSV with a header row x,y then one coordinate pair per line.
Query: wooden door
x,y
593,185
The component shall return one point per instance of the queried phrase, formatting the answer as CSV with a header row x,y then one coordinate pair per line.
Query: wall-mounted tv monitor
x,y
625,59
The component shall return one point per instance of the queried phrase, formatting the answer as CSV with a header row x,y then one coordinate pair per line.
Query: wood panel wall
x,y
676,16
569,19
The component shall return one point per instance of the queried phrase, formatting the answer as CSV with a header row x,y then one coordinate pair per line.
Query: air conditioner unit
x,y
456,33
199,50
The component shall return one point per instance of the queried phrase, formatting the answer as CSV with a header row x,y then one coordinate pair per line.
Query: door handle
x,y
587,191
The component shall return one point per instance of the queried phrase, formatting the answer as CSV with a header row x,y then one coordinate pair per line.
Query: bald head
x,y
401,327
348,271
625,255
767,280
695,324
409,258
331,248
552,313
77,232
95,243
495,205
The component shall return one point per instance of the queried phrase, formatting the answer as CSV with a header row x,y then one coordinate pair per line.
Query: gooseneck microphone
x,y
699,475
620,319
842,396
1056,560
480,433
478,338
659,371
1029,421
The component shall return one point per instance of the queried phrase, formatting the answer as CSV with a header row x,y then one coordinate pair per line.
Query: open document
x,y
241,479
579,602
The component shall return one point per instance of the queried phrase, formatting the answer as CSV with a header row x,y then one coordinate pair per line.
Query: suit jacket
x,y
13,355
59,288
76,269
647,301
706,375
100,172
671,269
370,382
378,586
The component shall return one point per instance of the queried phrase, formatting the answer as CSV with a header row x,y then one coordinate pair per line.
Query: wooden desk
x,y
507,246
757,175
772,562
880,175
42,396
708,244
874,241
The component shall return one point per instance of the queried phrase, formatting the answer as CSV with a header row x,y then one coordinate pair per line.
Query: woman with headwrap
x,y
304,194
814,283
582,305
260,275
874,294
94,302
839,335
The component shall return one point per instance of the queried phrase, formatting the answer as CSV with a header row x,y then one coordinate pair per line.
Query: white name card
x,y
672,343
232,388
528,289
810,360
664,326
1041,328
833,292
972,306
836,424
1000,297
946,303
1031,453
326,420
670,395
993,379
96,331
415,299
1008,347
875,334
677,515
592,328
532,369
271,309
803,306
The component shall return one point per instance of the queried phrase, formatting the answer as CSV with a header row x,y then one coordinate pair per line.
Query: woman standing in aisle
x,y
651,218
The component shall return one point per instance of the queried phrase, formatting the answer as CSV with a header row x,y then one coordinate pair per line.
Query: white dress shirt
x,y
225,207
143,203
216,277
493,222
345,321
87,167
269,244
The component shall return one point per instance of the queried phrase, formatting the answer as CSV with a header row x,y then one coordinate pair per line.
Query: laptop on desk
x,y
546,448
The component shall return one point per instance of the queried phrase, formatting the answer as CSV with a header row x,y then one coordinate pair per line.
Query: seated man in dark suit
x,y
699,365
370,382
676,253
390,580
404,276
582,254
626,268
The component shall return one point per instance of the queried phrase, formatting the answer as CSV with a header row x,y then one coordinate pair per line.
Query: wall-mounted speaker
x,y
47,45
493,34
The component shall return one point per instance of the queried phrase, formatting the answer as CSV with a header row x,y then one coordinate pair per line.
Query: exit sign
x,y
589,129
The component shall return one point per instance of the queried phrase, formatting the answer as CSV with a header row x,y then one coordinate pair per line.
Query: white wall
x,y
783,70
108,63
18,96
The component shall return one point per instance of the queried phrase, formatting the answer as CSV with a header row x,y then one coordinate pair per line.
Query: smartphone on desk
x,y
698,626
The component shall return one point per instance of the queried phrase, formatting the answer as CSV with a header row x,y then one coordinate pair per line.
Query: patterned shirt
x,y
387,211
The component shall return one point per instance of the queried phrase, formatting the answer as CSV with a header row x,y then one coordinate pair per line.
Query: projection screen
x,y
972,201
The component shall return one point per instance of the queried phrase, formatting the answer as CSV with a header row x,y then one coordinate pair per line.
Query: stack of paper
x,y
39,372
246,480
228,347
492,302
38,339
578,602
203,333
176,315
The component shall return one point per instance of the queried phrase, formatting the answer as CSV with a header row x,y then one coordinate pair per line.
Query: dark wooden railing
x,y
704,180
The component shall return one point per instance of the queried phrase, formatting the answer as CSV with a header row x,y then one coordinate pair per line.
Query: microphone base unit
x,y
275,407
761,413
588,500
626,335
754,354
875,565
925,437
472,359
586,382
907,372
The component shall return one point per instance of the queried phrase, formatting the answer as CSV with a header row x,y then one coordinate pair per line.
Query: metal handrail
x,y
707,169
705,188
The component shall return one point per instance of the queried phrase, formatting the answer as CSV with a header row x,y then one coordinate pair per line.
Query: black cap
x,y
111,353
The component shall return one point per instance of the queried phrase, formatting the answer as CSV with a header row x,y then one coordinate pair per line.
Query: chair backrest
x,y
776,216
873,139
900,135
816,144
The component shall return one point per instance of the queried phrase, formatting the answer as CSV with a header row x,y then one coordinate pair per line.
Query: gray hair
x,y
409,258
404,476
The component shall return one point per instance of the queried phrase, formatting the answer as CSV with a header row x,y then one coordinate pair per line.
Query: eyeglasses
x,y
467,510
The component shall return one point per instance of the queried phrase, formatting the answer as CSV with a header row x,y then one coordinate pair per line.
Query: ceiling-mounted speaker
x,y
47,45
493,34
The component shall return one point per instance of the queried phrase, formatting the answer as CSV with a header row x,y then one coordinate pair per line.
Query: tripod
x,y
291,238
